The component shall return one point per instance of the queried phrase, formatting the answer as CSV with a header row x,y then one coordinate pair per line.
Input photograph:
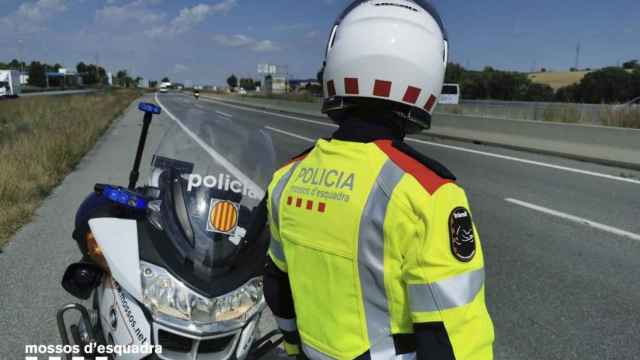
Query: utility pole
x,y
98,69
22,61
577,57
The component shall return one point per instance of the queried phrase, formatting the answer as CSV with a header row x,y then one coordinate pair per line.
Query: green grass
x,y
42,139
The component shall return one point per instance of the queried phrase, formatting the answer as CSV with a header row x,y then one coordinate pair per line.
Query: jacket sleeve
x,y
277,290
444,275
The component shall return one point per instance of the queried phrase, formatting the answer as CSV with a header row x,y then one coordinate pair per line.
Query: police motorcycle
x,y
174,267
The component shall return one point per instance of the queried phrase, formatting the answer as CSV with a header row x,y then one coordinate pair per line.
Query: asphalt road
x,y
561,238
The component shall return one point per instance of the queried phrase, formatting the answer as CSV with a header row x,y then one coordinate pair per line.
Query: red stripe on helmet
x,y
411,95
331,88
430,103
351,86
382,88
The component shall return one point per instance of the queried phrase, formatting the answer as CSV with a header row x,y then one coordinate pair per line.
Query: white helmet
x,y
393,50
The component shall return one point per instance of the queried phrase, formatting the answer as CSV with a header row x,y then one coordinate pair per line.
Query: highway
x,y
561,237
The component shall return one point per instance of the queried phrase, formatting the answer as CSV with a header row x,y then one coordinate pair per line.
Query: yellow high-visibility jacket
x,y
375,241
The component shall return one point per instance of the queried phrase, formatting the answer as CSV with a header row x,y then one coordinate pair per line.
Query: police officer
x,y
374,254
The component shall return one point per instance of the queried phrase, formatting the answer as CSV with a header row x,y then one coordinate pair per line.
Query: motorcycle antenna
x,y
149,110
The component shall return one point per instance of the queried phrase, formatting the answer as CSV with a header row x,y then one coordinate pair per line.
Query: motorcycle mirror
x,y
81,278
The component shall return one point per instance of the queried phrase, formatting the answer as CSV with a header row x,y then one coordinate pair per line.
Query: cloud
x,y
314,34
191,17
135,11
291,27
179,68
31,16
246,42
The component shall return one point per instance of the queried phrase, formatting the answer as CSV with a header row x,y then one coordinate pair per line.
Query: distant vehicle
x,y
450,94
629,105
634,104
10,84
242,91
164,88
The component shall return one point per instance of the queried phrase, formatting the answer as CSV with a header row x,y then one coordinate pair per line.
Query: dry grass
x,y
627,118
568,113
558,79
41,141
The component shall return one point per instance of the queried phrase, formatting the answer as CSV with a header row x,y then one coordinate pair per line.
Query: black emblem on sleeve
x,y
463,242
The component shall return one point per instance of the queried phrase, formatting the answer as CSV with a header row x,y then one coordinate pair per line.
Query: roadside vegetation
x,y
42,139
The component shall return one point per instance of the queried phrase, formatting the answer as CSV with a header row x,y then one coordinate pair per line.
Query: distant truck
x,y
450,94
10,84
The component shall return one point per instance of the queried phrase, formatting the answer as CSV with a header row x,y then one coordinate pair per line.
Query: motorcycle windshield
x,y
210,174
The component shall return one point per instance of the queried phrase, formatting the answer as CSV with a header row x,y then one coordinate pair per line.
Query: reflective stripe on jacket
x,y
370,239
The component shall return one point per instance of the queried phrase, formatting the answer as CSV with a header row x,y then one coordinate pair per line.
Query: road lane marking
x,y
451,147
272,113
214,154
224,114
525,161
290,134
575,219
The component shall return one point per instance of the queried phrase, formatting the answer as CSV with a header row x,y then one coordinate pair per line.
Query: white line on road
x,y
322,123
525,161
224,114
451,147
575,219
290,134
214,154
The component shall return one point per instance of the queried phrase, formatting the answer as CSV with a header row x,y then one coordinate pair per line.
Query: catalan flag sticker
x,y
223,216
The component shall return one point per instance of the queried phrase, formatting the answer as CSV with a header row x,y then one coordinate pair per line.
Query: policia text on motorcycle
x,y
374,254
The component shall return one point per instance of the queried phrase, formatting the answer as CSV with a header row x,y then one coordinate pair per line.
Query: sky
x,y
204,41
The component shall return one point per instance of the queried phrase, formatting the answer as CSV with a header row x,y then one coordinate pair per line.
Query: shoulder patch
x,y
461,236
429,173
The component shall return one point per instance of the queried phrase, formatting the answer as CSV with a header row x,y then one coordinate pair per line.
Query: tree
x,y
607,85
630,65
454,74
320,77
123,79
37,74
232,81
165,79
16,65
153,84
248,84
91,74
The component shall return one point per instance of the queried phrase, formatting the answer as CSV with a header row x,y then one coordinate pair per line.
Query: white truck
x,y
10,84
450,94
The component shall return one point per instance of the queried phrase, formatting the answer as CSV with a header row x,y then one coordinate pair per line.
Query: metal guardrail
x,y
598,144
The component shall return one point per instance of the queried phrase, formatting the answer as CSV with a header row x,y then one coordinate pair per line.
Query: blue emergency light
x,y
125,197
149,108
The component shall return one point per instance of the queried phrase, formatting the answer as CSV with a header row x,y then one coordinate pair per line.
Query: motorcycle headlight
x,y
164,294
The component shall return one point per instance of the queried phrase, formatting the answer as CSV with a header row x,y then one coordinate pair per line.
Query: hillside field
x,y
557,79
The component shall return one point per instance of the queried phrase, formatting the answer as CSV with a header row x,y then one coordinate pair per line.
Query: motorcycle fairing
x,y
118,239
122,318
